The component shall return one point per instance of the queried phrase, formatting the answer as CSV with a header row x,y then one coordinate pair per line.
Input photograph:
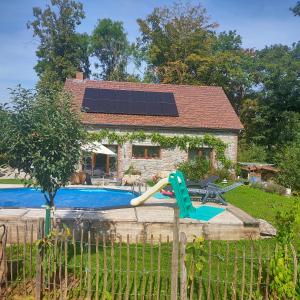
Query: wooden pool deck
x,y
155,217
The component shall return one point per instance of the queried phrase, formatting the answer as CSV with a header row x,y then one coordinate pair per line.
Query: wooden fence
x,y
111,267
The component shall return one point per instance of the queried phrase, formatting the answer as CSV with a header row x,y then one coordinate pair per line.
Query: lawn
x,y
258,203
11,181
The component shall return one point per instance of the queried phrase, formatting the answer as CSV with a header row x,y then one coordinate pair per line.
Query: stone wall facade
x,y
169,158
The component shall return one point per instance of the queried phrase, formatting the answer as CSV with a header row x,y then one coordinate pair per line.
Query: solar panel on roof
x,y
111,101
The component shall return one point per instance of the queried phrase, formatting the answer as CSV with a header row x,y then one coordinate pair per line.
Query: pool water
x,y
67,198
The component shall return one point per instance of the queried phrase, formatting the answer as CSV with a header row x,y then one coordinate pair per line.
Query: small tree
x,y
45,138
288,161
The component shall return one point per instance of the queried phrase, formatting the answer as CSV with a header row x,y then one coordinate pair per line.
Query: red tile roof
x,y
205,107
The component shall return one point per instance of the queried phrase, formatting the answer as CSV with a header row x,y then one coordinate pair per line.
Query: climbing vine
x,y
184,142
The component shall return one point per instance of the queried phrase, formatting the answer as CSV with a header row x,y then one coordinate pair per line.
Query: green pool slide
x,y
183,200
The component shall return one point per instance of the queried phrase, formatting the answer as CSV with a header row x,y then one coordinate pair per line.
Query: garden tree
x,y
181,47
45,138
4,133
279,96
288,161
109,44
61,50
250,152
173,38
296,9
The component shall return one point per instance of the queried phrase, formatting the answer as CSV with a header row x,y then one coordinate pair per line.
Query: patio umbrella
x,y
96,147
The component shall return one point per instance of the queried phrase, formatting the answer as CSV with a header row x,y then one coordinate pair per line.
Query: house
x,y
180,110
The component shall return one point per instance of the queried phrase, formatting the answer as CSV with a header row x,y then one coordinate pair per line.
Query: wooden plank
x,y
38,277
81,262
112,252
200,289
226,271
143,269
74,254
89,277
243,274
192,278
127,268
66,269
251,273
60,276
235,270
209,272
11,254
183,273
104,267
30,250
218,275
24,259
259,277
175,251
136,267
266,296
97,268
120,268
55,265
158,269
18,250
151,268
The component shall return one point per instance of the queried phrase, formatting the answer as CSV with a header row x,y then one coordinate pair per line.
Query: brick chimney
x,y
80,75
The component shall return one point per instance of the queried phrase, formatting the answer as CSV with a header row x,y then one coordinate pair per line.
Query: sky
x,y
259,22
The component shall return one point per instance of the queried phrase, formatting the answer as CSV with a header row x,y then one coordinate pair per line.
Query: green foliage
x,y
296,9
110,46
168,142
278,74
195,258
181,47
288,161
61,50
195,169
281,275
251,152
45,138
282,285
287,224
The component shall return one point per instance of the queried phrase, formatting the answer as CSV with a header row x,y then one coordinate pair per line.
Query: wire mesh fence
x,y
94,266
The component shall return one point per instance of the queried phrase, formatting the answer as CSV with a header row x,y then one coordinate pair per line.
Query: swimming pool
x,y
92,198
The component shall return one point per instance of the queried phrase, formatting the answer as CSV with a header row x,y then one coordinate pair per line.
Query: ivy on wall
x,y
184,142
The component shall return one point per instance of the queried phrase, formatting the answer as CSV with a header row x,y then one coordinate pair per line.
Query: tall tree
x,y
110,46
278,117
61,50
172,38
181,47
296,9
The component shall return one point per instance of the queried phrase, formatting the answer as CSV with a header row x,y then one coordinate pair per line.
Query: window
x,y
200,152
146,152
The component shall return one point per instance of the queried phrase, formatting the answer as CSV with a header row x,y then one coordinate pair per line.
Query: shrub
x,y
270,187
288,161
251,153
195,169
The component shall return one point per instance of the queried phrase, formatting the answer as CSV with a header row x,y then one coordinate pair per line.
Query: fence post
x,y
183,277
39,258
175,250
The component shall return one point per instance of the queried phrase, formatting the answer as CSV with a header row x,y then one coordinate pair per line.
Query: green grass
x,y
259,204
11,181
85,266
